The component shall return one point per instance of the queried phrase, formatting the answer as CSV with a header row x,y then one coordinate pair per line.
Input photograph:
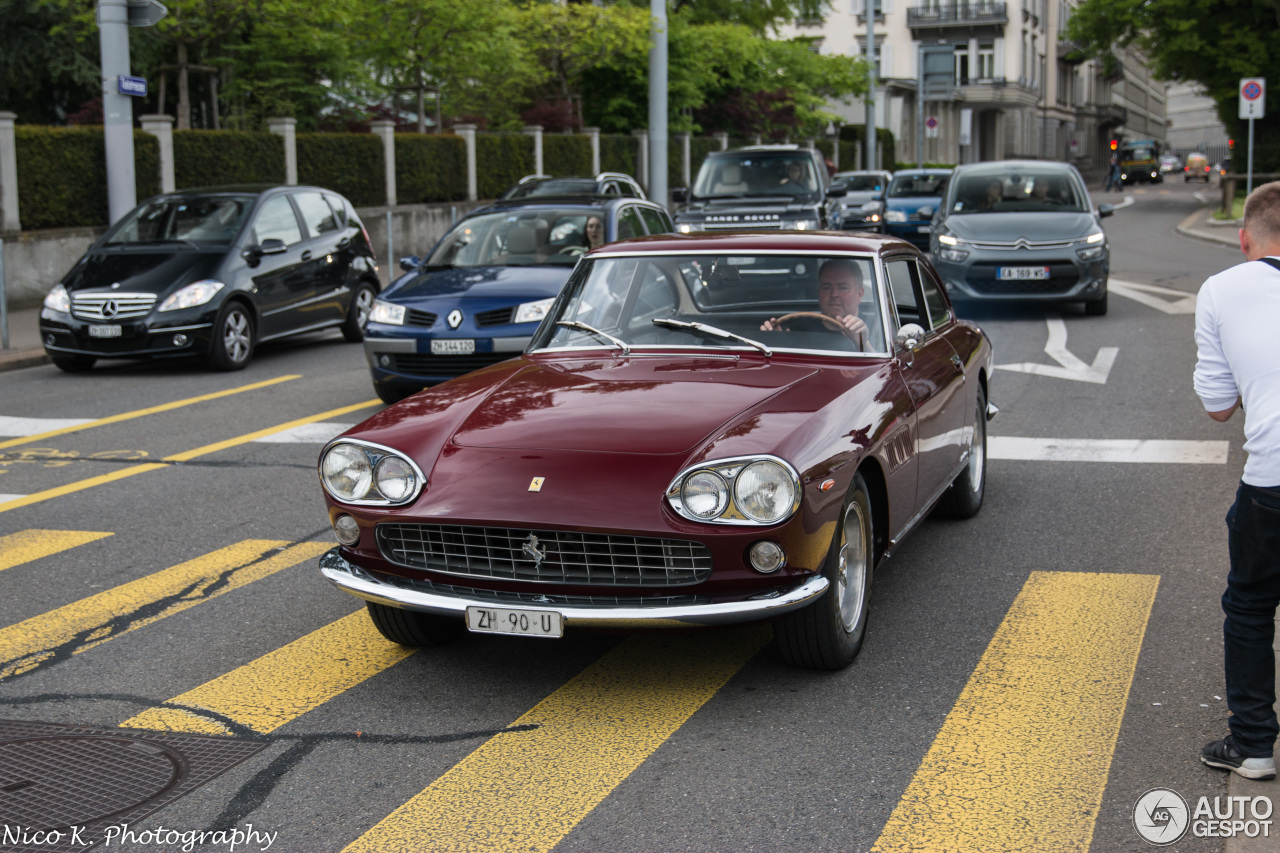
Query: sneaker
x,y
1222,754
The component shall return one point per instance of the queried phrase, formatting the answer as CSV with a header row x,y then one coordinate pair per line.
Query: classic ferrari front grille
x,y
111,306
545,556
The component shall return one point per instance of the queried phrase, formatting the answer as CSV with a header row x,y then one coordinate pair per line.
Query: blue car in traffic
x,y
482,290
910,202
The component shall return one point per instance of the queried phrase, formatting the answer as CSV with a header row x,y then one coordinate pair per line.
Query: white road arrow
x,y
1150,294
1071,367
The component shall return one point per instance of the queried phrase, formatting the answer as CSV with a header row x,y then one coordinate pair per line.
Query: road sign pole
x,y
1248,183
117,108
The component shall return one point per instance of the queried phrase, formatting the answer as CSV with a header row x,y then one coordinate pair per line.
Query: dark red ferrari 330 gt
x,y
705,429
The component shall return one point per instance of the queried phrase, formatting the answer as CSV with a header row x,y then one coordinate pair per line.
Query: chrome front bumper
x,y
354,580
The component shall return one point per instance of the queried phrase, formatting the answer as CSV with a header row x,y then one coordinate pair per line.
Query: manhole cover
x,y
55,776
72,781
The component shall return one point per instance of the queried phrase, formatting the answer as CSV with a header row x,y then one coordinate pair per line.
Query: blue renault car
x,y
479,295
910,202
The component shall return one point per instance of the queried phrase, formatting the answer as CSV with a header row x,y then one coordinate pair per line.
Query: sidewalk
x,y
1203,226
24,341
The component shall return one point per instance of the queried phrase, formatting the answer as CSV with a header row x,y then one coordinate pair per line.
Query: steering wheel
x,y
830,322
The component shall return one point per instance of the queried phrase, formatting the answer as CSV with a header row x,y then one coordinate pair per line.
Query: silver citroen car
x,y
1022,230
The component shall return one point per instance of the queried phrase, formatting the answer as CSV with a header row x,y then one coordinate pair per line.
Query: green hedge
x,y
348,163
618,154
502,159
62,174
854,133
566,156
212,158
430,167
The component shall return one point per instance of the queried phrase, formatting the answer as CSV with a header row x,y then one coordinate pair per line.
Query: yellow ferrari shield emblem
x,y
536,485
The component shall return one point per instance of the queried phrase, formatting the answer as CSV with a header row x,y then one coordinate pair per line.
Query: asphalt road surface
x,y
158,572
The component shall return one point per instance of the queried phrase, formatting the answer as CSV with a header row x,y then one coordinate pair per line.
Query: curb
x,y
1231,239
17,359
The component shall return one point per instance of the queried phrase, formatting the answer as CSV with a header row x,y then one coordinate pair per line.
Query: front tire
x,y
358,313
233,338
412,629
964,498
827,634
73,363
391,394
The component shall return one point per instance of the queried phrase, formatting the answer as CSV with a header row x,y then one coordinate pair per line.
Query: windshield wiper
x,y
710,330
574,324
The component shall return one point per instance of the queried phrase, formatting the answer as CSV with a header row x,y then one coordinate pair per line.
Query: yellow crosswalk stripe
x,y
91,621
138,413
1022,760
283,685
527,790
185,456
28,545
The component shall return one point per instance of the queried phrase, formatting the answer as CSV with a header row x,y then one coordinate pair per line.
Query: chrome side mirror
x,y
909,337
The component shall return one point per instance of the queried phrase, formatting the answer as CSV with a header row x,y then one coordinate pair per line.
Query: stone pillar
x,y
161,127
8,174
287,128
724,140
810,143
642,157
385,129
535,130
468,134
593,133
686,168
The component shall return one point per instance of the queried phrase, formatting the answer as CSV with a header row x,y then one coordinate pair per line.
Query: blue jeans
x,y
1253,591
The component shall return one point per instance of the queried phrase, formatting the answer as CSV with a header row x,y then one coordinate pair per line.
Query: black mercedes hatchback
x,y
213,273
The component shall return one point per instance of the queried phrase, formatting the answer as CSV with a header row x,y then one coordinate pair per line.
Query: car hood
x,y
143,271
1008,227
537,282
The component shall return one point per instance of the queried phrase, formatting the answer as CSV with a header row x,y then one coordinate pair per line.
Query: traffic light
x,y
1114,145
1231,144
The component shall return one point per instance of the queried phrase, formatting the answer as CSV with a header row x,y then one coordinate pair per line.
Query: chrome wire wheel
x,y
236,335
851,572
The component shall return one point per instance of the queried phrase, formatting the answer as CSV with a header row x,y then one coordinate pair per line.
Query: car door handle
x,y
306,256
959,365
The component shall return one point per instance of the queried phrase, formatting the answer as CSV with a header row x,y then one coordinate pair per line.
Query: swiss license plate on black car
x,y
452,346
1022,273
505,620
106,331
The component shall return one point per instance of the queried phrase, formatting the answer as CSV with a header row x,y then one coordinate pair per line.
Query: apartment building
x,y
1018,89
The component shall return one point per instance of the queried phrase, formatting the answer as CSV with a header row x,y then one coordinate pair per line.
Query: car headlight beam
x,y
364,473
748,490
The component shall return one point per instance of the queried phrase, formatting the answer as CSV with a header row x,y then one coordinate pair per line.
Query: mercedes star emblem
x,y
110,309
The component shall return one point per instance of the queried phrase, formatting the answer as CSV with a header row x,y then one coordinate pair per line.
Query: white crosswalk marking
x,y
317,433
34,426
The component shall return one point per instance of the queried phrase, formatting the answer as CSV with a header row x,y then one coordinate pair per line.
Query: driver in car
x,y
839,292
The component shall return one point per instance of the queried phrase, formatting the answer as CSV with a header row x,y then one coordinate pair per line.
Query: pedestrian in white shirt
x,y
1238,367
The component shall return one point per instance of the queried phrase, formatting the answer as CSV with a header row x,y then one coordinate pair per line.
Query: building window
x,y
962,65
986,60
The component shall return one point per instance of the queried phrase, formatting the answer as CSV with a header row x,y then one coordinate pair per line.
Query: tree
x,y
759,16
1214,44
46,69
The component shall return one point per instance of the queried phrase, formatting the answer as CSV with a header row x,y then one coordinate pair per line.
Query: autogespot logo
x,y
1161,816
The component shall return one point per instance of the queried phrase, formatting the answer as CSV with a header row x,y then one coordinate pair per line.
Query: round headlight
x,y
347,473
704,494
764,492
394,477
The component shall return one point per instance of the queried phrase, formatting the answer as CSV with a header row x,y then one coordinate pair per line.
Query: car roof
x,y
594,202
239,189
929,171
822,242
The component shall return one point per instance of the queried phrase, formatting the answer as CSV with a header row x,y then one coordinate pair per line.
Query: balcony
x,y
972,14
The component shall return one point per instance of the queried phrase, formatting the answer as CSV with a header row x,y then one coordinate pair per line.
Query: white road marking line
x,y
1149,294
317,433
34,426
1107,450
1069,365
4,497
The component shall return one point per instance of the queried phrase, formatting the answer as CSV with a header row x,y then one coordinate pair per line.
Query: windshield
x,y
516,238
746,301
553,187
212,219
786,174
1024,191
917,186
859,183
1139,154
